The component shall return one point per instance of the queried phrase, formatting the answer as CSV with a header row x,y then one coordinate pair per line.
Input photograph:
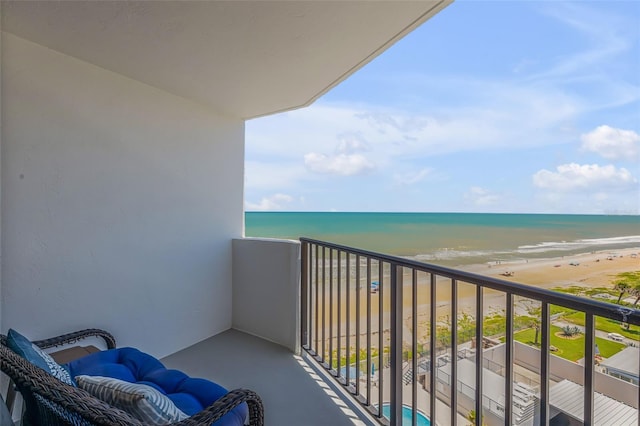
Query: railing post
x,y
304,295
395,415
414,346
339,319
348,319
324,306
432,348
544,365
589,342
368,287
454,352
381,291
479,353
316,346
358,324
330,309
508,375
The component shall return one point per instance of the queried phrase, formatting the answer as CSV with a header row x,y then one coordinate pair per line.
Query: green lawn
x,y
572,350
606,324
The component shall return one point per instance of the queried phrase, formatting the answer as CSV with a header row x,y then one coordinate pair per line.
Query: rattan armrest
x,y
76,336
224,405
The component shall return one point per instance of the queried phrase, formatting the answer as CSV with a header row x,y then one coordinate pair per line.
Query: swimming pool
x,y
352,373
421,419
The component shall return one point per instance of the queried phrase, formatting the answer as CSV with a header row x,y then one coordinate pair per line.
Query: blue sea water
x,y
454,238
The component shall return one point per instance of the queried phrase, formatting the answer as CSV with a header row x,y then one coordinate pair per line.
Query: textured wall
x,y
119,203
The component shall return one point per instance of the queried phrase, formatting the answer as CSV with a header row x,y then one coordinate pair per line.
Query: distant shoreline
x,y
593,269
589,270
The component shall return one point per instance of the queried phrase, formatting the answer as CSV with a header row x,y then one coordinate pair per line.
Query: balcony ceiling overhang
x,y
242,58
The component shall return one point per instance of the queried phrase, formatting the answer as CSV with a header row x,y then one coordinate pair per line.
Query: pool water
x,y
352,373
421,419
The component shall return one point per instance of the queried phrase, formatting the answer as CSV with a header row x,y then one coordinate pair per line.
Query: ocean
x,y
453,239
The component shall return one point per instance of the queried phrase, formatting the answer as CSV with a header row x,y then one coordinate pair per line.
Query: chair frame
x,y
30,380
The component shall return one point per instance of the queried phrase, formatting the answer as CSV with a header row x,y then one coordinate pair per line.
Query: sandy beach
x,y
594,269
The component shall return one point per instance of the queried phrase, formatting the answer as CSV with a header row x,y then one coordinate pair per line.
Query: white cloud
x,y
411,178
612,143
274,202
339,164
350,144
491,120
481,197
588,177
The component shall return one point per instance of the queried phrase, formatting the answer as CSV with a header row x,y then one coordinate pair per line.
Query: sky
x,y
490,106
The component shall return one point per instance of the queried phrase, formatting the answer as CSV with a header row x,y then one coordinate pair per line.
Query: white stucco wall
x,y
0,163
266,289
119,204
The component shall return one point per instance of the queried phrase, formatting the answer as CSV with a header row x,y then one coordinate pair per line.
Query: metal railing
x,y
360,320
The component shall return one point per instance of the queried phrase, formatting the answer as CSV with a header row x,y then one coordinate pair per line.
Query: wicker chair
x,y
30,380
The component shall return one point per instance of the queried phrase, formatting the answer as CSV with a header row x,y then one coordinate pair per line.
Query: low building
x,y
624,365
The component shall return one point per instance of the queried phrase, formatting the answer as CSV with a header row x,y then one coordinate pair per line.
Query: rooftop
x,y
568,397
627,360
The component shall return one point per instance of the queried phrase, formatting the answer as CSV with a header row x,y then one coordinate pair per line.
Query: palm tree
x,y
627,282
622,287
534,312
635,292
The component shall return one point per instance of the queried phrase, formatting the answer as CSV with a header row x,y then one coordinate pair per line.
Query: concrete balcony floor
x,y
293,390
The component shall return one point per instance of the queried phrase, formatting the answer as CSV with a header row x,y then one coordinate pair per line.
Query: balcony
x,y
122,182
353,344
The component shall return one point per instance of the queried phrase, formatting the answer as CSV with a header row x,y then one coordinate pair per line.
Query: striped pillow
x,y
141,401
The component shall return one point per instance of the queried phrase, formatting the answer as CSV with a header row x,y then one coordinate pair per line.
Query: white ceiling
x,y
243,58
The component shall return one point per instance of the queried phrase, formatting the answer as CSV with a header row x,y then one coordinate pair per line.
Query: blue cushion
x,y
190,395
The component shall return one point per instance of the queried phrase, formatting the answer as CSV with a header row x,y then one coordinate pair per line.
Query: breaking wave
x,y
590,244
461,256
451,254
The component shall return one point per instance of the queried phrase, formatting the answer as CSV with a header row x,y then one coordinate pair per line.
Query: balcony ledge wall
x,y
266,290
